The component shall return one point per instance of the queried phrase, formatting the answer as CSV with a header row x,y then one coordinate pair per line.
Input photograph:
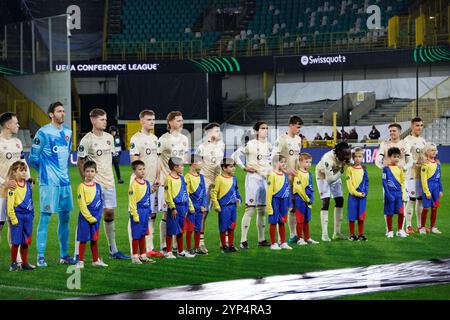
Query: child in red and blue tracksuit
x,y
394,192
20,211
432,187
179,204
358,188
196,188
225,198
278,201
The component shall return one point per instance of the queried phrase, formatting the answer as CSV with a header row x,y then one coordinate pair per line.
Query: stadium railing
x,y
433,104
292,44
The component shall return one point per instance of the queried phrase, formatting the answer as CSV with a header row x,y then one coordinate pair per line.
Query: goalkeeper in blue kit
x,y
49,155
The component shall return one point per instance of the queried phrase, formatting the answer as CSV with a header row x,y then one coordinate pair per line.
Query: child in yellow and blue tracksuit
x,y
358,188
20,211
303,190
140,211
90,202
179,204
196,189
224,198
432,187
394,192
278,201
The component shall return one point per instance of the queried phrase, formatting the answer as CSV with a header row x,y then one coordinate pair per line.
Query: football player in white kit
x,y
212,152
170,144
257,153
143,146
289,145
413,183
405,162
328,178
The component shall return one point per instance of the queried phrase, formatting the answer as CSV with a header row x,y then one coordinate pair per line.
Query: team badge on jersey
x,y
11,193
37,141
67,138
81,148
108,143
132,146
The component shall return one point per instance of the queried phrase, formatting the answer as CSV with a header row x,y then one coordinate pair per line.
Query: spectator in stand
x,y
338,135
353,135
318,136
344,135
374,134
327,137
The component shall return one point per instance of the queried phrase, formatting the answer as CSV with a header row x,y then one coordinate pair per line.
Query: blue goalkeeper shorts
x,y
55,199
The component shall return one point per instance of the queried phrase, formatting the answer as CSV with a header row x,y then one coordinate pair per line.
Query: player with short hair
x,y
278,201
328,178
413,184
143,146
170,144
289,145
257,153
139,208
98,146
21,215
394,140
90,202
358,188
178,206
225,198
212,151
432,186
196,188
394,192
50,155
11,150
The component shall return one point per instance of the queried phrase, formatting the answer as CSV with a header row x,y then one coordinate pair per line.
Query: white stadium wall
x,y
45,88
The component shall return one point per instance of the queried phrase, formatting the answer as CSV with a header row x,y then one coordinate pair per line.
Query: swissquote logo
x,y
305,60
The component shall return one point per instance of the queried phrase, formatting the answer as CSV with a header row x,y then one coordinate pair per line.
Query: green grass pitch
x,y
121,276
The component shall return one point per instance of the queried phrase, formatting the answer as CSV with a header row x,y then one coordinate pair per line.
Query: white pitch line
x,y
74,293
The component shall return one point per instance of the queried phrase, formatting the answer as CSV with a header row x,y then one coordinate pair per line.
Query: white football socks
x,y
162,233
77,243
419,208
149,237
110,231
292,223
409,212
324,222
260,217
245,225
338,214
130,238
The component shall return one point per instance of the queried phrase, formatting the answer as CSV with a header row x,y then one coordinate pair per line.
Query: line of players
x,y
51,150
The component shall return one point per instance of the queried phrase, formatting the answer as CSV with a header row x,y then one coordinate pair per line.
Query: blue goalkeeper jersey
x,y
50,154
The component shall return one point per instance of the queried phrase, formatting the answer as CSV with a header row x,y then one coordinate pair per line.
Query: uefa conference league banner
x,y
306,62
